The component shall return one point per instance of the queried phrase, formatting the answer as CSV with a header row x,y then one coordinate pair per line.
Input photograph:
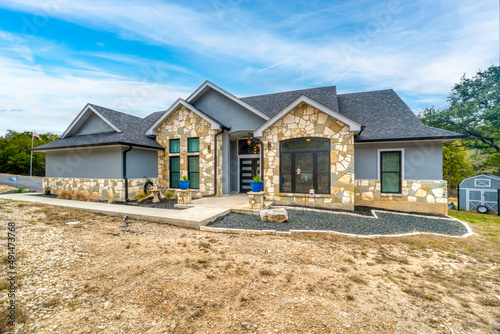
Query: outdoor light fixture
x,y
269,145
209,149
253,202
249,141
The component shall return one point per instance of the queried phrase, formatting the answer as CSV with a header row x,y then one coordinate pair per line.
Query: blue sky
x,y
140,56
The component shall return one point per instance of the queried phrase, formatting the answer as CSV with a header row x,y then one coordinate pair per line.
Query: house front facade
x,y
311,147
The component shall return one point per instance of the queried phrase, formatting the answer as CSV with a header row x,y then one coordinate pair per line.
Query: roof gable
x,y
151,130
208,85
353,126
271,104
87,114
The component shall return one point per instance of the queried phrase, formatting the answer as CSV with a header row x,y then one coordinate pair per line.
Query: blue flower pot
x,y
184,184
256,186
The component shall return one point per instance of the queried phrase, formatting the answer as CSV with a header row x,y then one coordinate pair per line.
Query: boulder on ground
x,y
274,215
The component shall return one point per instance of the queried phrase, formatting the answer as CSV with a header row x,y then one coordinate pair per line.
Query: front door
x,y
248,168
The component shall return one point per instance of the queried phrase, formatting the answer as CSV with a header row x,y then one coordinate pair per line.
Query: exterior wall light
x,y
209,148
269,147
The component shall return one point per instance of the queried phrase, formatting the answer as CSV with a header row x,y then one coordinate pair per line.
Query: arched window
x,y
305,165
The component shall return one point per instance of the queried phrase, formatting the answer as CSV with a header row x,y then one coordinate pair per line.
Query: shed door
x,y
487,198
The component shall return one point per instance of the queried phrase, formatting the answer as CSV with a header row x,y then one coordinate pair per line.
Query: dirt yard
x,y
108,275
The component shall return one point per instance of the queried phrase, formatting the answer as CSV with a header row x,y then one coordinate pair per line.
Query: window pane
x,y
323,172
193,145
390,161
303,172
194,179
175,164
175,145
305,144
286,172
194,164
390,183
245,148
174,172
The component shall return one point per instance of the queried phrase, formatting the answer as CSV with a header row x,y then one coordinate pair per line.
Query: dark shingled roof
x,y
133,132
386,117
271,104
383,114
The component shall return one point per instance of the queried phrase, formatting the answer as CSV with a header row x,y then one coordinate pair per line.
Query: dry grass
x,y
64,194
92,199
79,196
187,280
110,201
140,195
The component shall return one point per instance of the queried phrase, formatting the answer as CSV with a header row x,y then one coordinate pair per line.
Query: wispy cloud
x,y
418,48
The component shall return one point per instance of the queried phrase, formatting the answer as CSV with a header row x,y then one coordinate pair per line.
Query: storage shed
x,y
479,193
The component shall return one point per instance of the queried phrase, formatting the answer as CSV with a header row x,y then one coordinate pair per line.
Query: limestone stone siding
x,y
184,124
429,196
102,189
306,121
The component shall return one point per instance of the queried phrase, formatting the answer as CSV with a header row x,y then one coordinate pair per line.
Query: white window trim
x,y
482,180
402,150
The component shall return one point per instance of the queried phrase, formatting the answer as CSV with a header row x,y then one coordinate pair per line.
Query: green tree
x,y
15,153
473,110
456,165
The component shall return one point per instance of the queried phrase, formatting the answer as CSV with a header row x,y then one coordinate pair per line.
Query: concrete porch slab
x,y
190,217
237,203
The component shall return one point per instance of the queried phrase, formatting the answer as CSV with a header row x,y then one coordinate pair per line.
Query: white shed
x,y
479,193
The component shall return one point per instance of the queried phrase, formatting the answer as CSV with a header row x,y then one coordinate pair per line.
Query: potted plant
x,y
184,183
47,191
256,183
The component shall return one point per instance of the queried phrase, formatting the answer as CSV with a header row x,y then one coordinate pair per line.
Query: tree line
x,y
15,153
473,109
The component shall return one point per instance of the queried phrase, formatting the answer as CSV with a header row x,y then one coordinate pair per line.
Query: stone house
x,y
311,147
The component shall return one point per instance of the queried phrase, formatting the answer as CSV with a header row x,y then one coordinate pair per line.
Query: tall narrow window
x,y
390,171
175,145
193,145
194,171
175,171
305,165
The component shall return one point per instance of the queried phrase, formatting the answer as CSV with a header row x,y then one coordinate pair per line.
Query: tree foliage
x,y
456,164
473,110
15,153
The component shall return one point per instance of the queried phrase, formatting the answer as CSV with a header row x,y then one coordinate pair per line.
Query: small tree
x,y
456,165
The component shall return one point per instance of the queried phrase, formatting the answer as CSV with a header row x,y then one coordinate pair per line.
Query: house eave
x,y
82,113
100,145
442,139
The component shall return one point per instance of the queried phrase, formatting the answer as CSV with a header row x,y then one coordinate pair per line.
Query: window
x,y
175,145
305,165
193,145
175,171
390,171
245,148
482,183
194,171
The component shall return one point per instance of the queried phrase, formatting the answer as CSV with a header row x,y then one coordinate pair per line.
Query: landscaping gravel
x,y
386,224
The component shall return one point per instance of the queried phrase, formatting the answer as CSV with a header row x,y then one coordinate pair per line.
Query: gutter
x,y
223,128
124,164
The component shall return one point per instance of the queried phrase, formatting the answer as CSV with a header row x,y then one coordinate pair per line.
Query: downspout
x,y
124,162
223,128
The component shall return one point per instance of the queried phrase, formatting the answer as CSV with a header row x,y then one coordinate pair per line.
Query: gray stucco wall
x,y
142,162
422,160
87,162
94,124
234,166
228,112
104,162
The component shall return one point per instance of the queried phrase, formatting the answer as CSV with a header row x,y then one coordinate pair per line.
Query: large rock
x,y
274,215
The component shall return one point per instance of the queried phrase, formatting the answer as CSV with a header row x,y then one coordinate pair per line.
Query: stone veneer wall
x,y
103,189
184,124
306,121
428,196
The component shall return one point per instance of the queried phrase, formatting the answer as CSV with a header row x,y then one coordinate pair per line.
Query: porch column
x,y
226,156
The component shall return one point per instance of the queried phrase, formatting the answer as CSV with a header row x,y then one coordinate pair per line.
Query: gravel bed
x,y
387,223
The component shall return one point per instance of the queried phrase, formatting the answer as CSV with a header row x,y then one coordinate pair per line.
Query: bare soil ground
x,y
106,275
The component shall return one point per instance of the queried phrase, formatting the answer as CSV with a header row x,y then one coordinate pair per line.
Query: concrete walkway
x,y
237,203
191,217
